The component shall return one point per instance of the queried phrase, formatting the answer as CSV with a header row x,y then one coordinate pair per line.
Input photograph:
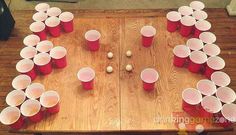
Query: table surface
x,y
118,102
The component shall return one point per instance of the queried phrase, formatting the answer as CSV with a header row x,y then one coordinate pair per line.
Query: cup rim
x,y
185,10
98,34
30,37
152,70
221,63
42,44
188,21
18,78
229,90
53,11
209,82
42,7
203,55
10,94
197,5
207,37
226,77
200,15
37,23
10,108
150,28
36,16
30,88
54,93
23,52
52,21
40,55
21,63
231,105
83,70
194,44
203,25
186,48
63,16
173,16
36,102
213,46
196,92
58,48
212,98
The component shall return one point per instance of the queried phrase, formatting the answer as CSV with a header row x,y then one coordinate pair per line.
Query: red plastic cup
x,y
228,114
28,52
58,55
86,75
185,10
11,117
39,29
34,90
191,101
210,105
43,63
53,26
44,46
148,33
187,25
42,7
32,110
40,16
214,63
149,76
21,82
200,15
197,5
26,66
220,79
92,37
211,50
207,37
66,19
31,40
226,95
181,54
201,26
15,98
54,11
194,44
206,87
173,20
50,100
197,60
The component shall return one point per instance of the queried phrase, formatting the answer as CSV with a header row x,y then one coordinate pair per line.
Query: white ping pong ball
x,y
129,68
128,53
109,69
110,55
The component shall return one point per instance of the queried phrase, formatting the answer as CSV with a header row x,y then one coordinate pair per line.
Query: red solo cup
x,y
173,20
26,66
226,95
206,87
200,15
32,110
43,63
54,11
185,10
86,75
34,90
201,26
11,117
92,37
149,76
58,55
15,98
220,79
229,115
187,25
191,101
214,64
28,52
44,46
31,40
197,60
194,44
66,19
21,82
211,50
197,5
40,16
210,105
181,54
148,33
207,37
39,28
53,25
50,100
42,7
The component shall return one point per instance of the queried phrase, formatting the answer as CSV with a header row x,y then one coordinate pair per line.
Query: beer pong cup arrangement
x,y
149,76
40,16
28,52
43,63
26,66
148,33
50,100
66,19
15,98
181,54
86,75
39,29
173,21
31,40
58,55
92,38
44,46
53,25
34,90
21,82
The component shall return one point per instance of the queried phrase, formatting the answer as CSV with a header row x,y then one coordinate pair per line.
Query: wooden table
x,y
118,102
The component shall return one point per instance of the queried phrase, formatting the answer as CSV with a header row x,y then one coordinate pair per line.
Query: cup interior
x,y
229,112
42,59
216,63
31,40
198,57
66,16
15,98
197,5
206,87
185,10
149,75
42,7
191,96
92,35
34,91
203,25
37,26
24,66
49,99
58,52
200,15
220,78
207,37
173,16
226,95
194,44
211,49
188,21
181,51
54,11
30,107
86,74
211,104
40,16
148,31
44,46
9,115
20,82
28,52
52,21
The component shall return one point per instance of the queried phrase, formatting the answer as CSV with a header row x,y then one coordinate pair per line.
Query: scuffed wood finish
x,y
118,102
